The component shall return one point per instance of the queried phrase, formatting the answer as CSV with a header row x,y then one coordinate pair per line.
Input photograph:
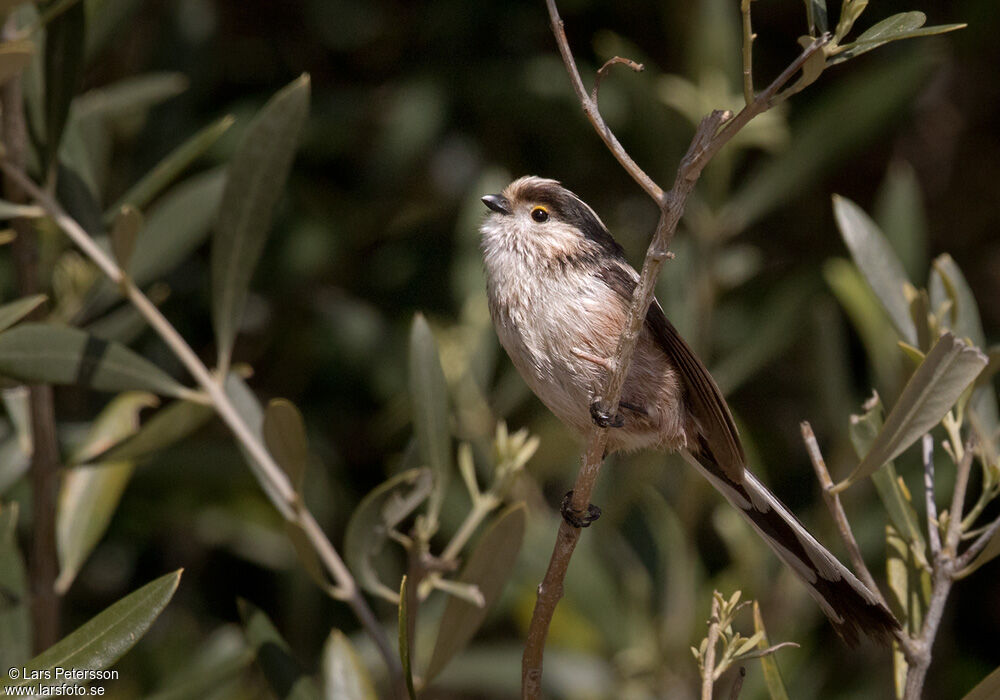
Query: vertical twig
x,y
748,37
933,526
45,460
708,667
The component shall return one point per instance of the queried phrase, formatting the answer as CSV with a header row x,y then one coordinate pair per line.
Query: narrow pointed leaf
x,y
64,42
988,554
429,405
382,509
900,213
49,354
768,662
14,311
256,180
309,559
166,427
15,621
124,232
488,567
128,97
89,493
210,670
905,25
168,169
877,261
816,16
404,643
15,56
986,689
285,437
105,638
948,283
344,674
948,369
285,675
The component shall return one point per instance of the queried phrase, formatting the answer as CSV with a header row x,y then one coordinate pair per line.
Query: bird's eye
x,y
540,214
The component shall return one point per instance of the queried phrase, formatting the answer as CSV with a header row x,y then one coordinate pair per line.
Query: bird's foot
x,y
604,418
576,518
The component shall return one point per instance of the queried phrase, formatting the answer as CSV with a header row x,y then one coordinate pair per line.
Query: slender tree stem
x,y
708,668
45,459
933,526
276,483
714,131
748,37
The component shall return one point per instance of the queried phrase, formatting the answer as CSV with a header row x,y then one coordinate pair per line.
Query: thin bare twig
x,y
278,486
606,68
933,526
43,563
837,510
748,37
965,560
954,533
708,667
714,131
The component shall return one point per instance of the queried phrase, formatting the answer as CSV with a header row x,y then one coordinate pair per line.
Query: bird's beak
x,y
497,203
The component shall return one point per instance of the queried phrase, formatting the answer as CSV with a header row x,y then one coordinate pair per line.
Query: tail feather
x,y
850,606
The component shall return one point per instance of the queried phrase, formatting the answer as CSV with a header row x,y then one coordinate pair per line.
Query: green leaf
x,y
986,689
168,169
210,669
852,113
948,369
166,427
850,10
863,431
429,406
285,437
126,98
310,559
379,512
283,672
64,39
899,212
15,620
947,283
404,643
768,662
988,554
49,354
105,638
910,590
126,228
15,56
89,495
344,674
256,180
905,25
816,17
488,567
878,263
14,311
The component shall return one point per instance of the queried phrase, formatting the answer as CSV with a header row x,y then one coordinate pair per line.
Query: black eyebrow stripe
x,y
571,209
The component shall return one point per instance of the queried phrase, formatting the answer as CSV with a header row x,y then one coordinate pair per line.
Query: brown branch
x,y
734,694
708,667
933,527
748,37
714,131
606,68
45,460
837,510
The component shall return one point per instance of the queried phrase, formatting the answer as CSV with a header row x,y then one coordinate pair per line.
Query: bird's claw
x,y
604,418
576,518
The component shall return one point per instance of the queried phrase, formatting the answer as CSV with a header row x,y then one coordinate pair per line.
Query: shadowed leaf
x,y
50,354
380,511
899,212
404,643
126,228
14,57
768,662
14,311
344,674
285,437
64,39
166,427
283,672
105,638
256,180
15,621
488,567
429,401
986,689
948,369
816,16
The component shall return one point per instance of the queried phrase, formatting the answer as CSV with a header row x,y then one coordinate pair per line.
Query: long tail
x,y
847,602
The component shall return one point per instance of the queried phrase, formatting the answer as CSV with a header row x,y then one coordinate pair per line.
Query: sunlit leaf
x,y
285,437
124,231
89,493
768,662
256,181
380,511
15,56
166,427
905,25
986,689
850,10
14,311
64,39
15,620
899,212
948,369
909,589
105,638
488,567
344,674
50,354
429,402
283,672
878,263
168,169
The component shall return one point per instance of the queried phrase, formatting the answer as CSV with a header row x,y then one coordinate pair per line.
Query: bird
x,y
559,289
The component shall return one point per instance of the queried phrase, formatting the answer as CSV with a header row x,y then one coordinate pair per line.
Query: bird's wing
x,y
704,400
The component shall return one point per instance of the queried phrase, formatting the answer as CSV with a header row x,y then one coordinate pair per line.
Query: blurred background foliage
x,y
419,108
